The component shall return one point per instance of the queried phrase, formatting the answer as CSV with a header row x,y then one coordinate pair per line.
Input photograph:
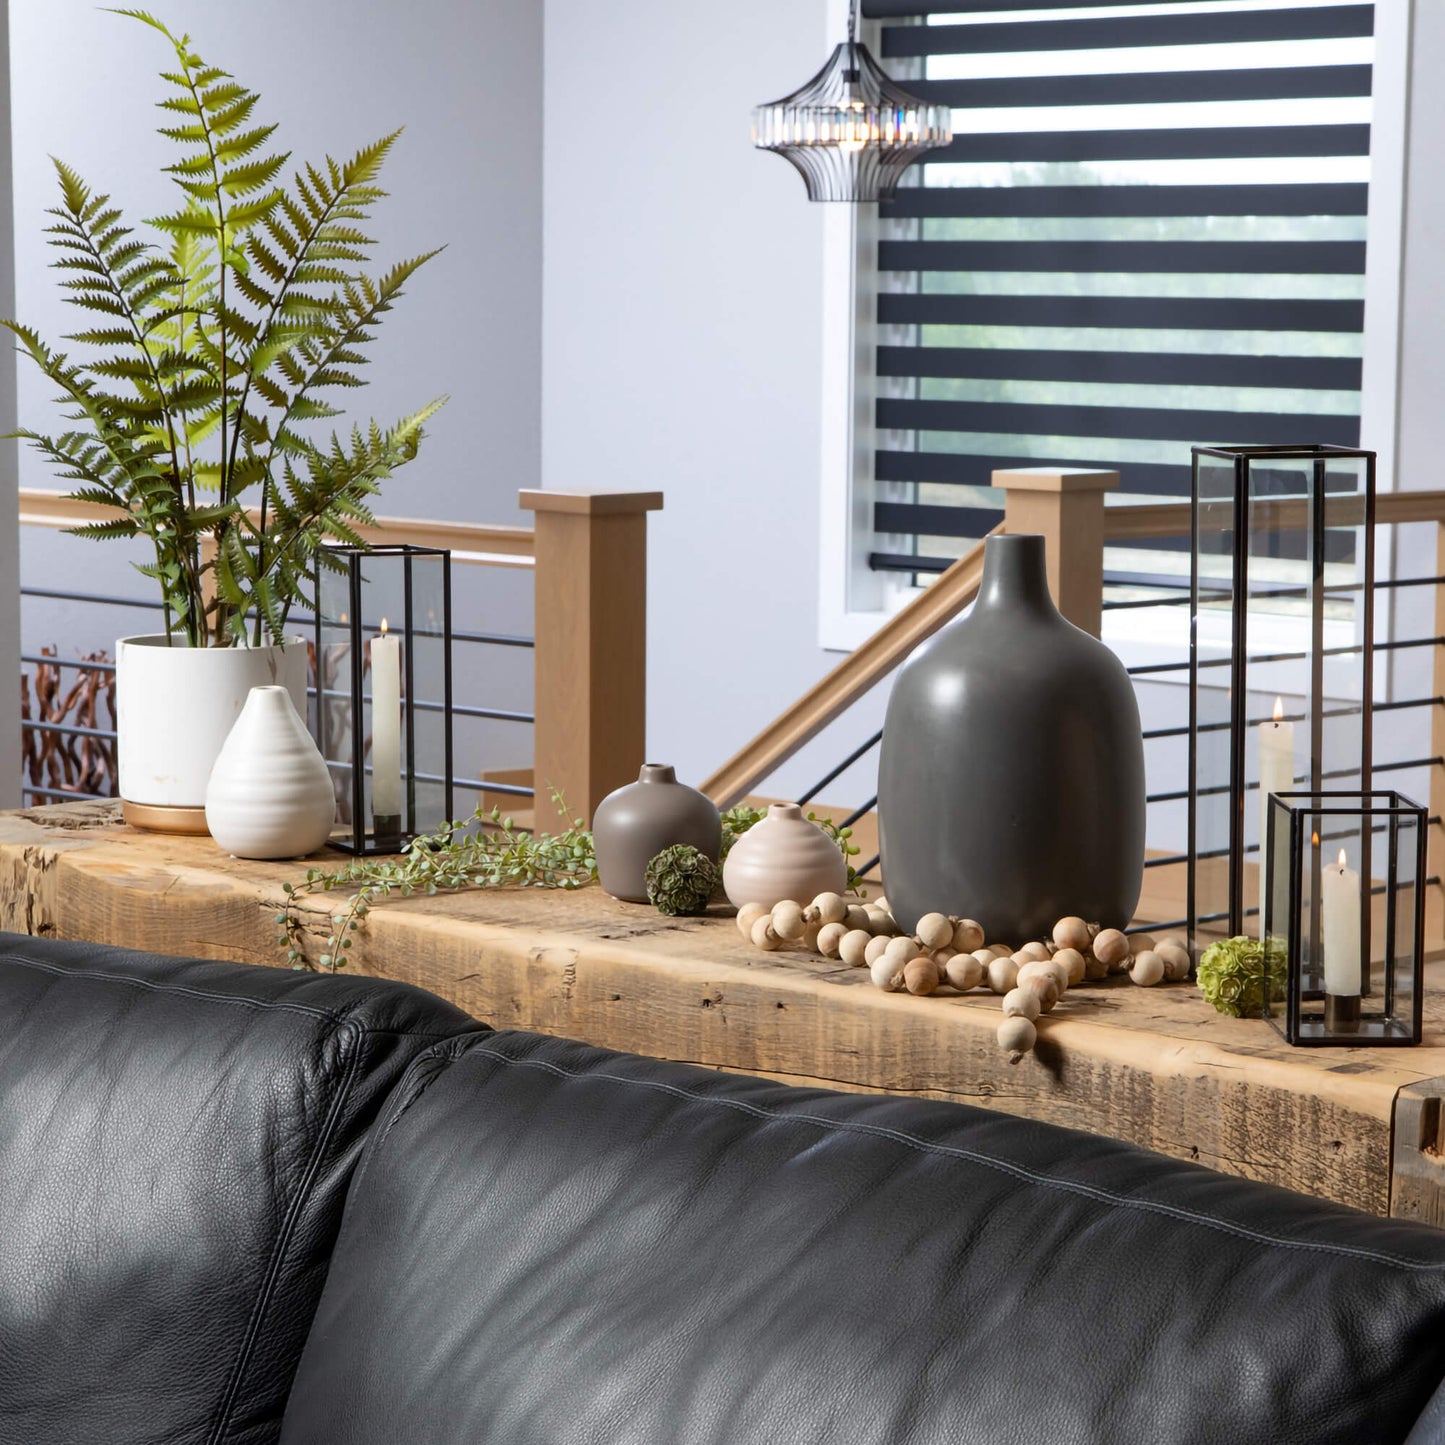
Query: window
x,y
1149,231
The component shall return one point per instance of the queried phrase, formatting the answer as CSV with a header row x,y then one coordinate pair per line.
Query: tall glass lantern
x,y
1280,655
384,692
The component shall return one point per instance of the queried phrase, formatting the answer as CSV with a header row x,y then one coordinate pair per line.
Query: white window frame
x,y
854,602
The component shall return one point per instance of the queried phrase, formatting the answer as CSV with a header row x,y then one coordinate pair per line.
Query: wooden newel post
x,y
591,656
1067,506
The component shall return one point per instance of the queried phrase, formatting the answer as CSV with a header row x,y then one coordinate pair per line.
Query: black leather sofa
x,y
240,1205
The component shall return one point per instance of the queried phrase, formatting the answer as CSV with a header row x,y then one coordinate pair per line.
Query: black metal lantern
x,y
1280,655
384,692
1345,900
851,131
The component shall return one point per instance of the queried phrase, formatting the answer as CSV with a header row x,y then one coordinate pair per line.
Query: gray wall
x,y
683,342
465,79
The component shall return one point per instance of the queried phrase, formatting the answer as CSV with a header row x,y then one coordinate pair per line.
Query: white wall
x,y
465,79
9,541
683,343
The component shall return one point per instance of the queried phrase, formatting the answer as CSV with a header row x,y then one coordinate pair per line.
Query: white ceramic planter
x,y
270,794
175,707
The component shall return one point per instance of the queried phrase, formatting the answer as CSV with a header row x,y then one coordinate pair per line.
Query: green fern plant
x,y
210,348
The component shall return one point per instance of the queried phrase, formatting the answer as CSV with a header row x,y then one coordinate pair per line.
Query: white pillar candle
x,y
1340,905
385,725
1276,775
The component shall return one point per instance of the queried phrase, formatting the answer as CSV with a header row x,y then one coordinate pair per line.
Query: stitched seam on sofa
x,y
343,1014
1018,1171
253,1003
283,1242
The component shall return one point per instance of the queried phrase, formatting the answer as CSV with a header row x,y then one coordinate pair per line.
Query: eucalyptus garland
x,y
487,850
497,854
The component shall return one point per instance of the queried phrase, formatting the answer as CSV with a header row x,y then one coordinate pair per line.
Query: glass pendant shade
x,y
851,132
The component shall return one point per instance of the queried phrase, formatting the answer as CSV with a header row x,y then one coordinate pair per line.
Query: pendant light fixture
x,y
851,132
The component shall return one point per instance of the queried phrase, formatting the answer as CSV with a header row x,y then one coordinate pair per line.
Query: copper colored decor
x,y
60,755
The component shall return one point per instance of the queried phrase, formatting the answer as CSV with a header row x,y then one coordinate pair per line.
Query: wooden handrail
x,y
1171,519
847,682
467,541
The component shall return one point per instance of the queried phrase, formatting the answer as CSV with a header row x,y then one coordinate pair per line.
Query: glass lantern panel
x,y
1212,642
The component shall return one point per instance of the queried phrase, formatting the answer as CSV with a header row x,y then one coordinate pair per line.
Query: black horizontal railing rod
x,y
70,730
1334,774
860,812
79,664
496,639
1180,858
74,795
475,785
56,596
867,868
458,709
1337,712
842,767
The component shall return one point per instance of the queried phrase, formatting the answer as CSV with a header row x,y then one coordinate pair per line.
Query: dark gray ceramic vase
x,y
634,824
1011,783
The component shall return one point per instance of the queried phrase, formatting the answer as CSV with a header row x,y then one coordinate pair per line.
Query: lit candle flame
x,y
1279,709
383,627
1315,839
1342,860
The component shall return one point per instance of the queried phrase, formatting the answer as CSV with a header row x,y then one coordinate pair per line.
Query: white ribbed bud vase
x,y
270,793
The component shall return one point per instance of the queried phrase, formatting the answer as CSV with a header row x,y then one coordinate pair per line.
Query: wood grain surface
x,y
1154,1066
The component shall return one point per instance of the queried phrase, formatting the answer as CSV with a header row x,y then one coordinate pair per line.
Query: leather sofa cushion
x,y
550,1244
176,1139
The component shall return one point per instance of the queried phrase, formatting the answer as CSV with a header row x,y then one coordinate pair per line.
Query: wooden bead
x,y
748,915
830,935
831,908
1111,947
853,946
764,935
1072,933
788,921
1003,974
880,922
1021,1003
1017,1036
1148,969
967,935
920,975
857,917
1072,962
902,949
1142,943
1039,951
934,930
964,971
877,944
886,974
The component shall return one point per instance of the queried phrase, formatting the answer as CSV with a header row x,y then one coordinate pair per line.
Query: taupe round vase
x,y
1011,781
634,824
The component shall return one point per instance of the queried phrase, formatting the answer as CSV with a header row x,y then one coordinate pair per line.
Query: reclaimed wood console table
x,y
1154,1066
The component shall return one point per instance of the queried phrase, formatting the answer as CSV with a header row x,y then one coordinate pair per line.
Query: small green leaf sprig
x,y
843,838
497,855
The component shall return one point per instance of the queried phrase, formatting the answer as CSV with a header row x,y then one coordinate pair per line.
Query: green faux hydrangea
x,y
1232,975
681,880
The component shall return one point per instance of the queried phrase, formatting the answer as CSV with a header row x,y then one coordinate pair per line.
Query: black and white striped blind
x,y
1148,232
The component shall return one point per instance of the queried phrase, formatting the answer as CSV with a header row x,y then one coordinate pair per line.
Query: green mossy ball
x,y
1232,975
681,880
